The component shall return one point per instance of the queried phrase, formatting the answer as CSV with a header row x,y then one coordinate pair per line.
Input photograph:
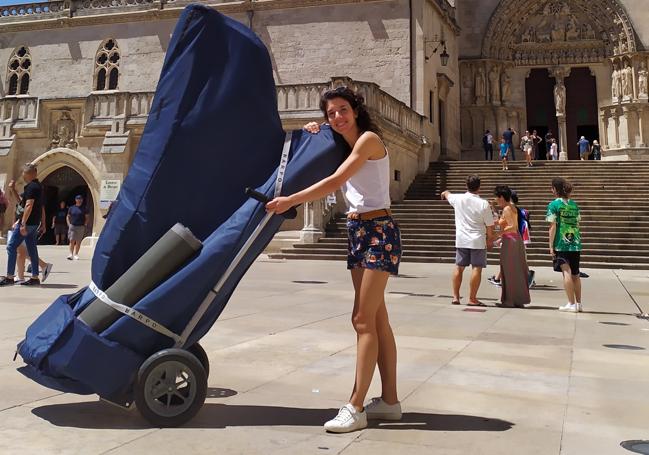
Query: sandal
x,y
455,302
478,303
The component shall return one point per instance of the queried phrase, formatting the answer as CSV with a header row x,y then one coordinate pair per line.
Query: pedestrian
x,y
596,150
527,145
21,250
504,151
508,136
584,148
77,219
473,233
548,144
26,228
60,224
374,252
564,216
536,139
514,273
554,150
4,203
487,143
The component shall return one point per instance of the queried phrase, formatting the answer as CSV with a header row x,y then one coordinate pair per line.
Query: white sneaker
x,y
570,308
348,419
76,258
578,305
46,272
380,410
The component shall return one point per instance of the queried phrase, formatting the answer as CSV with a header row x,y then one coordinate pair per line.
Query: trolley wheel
x,y
171,387
201,355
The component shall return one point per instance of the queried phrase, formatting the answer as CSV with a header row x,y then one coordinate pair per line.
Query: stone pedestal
x,y
313,222
563,138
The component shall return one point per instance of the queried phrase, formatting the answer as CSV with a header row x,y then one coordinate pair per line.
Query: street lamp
x,y
438,42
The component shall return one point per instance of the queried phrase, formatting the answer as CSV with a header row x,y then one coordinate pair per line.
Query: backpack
x,y
484,140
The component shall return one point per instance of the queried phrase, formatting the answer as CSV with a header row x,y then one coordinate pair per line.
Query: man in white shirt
x,y
474,230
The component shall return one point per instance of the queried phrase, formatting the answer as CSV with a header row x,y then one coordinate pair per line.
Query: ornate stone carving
x,y
65,132
627,81
467,84
616,83
642,80
530,32
480,86
560,98
494,85
505,81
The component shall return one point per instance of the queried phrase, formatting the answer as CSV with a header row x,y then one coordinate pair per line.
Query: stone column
x,y
313,222
559,73
641,120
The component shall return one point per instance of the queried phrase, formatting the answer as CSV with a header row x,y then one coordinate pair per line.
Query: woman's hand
x,y
279,205
552,253
312,127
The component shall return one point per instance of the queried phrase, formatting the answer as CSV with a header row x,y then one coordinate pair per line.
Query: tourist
x,y
565,241
374,252
60,224
536,139
524,231
77,219
554,150
514,272
548,144
26,228
584,148
596,151
527,145
473,232
487,144
504,151
3,208
508,136
21,251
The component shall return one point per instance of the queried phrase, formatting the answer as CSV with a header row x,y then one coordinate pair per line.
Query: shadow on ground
x,y
99,415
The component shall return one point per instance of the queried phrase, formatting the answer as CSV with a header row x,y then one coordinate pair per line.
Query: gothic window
x,y
19,72
107,66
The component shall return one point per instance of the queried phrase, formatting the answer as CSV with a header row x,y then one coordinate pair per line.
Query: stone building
x,y
80,77
576,67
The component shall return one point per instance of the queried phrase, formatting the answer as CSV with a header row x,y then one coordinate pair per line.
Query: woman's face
x,y
340,115
500,201
62,204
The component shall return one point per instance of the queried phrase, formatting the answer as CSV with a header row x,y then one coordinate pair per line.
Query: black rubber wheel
x,y
171,387
201,355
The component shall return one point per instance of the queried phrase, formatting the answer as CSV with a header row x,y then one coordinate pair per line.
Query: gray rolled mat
x,y
164,258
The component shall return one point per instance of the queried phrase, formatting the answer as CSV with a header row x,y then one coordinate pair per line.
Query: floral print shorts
x,y
374,244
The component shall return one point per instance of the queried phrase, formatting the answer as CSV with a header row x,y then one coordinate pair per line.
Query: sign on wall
x,y
108,192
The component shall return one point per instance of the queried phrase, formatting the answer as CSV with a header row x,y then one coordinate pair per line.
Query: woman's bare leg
x,y
370,299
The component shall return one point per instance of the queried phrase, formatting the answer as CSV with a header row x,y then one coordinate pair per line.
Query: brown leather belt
x,y
369,215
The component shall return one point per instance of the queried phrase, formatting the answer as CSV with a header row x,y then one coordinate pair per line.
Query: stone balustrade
x,y
32,9
18,112
105,108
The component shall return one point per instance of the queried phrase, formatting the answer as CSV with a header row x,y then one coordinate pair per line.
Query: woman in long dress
x,y
513,265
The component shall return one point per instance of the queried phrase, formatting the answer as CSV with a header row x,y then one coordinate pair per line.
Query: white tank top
x,y
369,188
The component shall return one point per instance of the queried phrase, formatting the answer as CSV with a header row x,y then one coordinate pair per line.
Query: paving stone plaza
x,y
498,381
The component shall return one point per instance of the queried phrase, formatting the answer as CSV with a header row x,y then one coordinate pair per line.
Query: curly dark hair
x,y
562,187
504,191
356,101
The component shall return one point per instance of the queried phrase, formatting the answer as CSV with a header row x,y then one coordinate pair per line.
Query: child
x,y
504,149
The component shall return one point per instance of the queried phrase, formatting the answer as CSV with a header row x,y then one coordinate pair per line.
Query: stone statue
x,y
560,98
467,84
480,86
65,133
627,81
529,35
506,86
642,80
588,32
621,44
558,32
494,85
572,31
617,83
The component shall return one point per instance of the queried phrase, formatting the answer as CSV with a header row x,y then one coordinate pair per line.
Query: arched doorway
x,y
63,185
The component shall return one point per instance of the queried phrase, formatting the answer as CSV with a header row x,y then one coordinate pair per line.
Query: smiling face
x,y
341,116
500,201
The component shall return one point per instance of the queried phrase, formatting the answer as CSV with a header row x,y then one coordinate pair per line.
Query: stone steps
x,y
615,212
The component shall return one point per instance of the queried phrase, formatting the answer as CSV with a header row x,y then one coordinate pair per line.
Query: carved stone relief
x,y
494,85
480,86
642,80
65,132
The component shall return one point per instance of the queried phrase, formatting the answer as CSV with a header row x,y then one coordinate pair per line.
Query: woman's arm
x,y
552,233
366,146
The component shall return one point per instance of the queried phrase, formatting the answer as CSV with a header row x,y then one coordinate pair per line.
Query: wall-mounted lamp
x,y
443,57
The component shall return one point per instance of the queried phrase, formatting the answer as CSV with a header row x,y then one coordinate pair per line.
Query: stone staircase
x,y
613,196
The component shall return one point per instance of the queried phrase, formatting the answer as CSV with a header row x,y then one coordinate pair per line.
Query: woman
x,y
60,224
513,265
374,252
527,144
596,151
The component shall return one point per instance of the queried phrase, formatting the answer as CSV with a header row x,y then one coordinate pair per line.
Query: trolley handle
x,y
261,197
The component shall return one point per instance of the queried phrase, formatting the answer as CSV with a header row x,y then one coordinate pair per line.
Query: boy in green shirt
x,y
565,241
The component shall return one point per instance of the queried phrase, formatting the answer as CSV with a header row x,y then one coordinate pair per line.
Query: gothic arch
x,y
545,32
57,158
